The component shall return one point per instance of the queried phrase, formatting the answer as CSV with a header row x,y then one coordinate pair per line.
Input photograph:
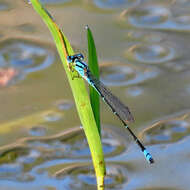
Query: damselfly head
x,y
80,56
69,59
72,58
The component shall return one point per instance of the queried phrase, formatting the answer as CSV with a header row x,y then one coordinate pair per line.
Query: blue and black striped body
x,y
117,107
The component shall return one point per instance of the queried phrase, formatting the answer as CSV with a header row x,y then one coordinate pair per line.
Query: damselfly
x,y
117,107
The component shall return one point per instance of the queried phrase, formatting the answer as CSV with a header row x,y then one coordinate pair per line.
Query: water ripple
x,y
145,37
182,3
150,16
37,131
53,116
26,28
168,131
157,16
151,53
113,4
77,146
171,164
64,104
10,167
124,75
30,152
134,91
82,176
159,188
23,57
4,6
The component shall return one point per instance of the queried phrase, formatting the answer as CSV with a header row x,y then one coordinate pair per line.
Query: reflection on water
x,y
26,56
150,15
53,116
62,160
32,153
7,75
27,28
134,91
4,6
124,75
168,131
64,104
151,53
148,37
158,16
37,131
113,4
146,48
83,176
23,57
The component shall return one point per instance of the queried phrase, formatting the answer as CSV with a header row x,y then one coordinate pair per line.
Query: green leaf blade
x,y
93,65
79,92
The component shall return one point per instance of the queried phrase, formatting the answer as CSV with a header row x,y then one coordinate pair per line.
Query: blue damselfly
x,y
117,107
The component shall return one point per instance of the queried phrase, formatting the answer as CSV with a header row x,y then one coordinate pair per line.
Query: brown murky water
x,y
143,48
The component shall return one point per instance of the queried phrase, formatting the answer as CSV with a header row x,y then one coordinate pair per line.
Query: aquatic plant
x,y
79,91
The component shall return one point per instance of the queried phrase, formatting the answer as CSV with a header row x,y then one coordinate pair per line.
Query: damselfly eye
x,y
69,59
80,56
72,58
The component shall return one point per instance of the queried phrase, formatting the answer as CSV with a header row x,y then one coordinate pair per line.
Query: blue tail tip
x,y
151,160
148,156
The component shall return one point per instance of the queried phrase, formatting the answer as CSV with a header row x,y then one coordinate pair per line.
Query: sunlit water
x,y
143,49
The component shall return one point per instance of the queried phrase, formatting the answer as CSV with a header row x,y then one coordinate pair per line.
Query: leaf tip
x,y
87,27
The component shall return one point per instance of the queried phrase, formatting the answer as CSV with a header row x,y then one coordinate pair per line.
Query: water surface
x,y
143,49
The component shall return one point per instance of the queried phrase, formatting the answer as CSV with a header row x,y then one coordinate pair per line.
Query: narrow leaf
x,y
79,92
93,65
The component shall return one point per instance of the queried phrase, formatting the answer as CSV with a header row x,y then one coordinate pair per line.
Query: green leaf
x,y
79,92
93,65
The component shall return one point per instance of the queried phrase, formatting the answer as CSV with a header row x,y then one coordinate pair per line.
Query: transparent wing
x,y
115,104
